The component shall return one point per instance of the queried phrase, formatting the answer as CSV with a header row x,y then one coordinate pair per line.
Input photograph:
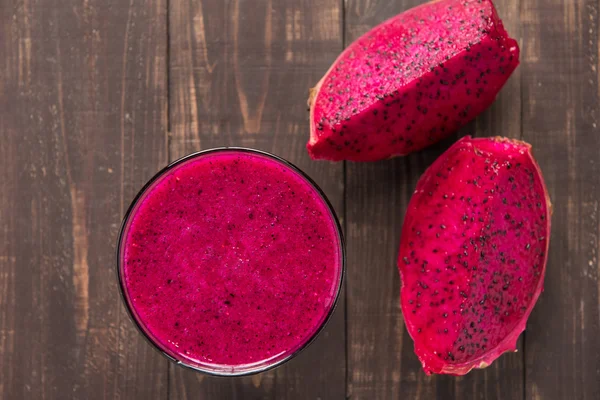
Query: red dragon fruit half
x,y
411,81
473,253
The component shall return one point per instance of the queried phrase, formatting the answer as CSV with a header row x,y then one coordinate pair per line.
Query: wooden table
x,y
97,95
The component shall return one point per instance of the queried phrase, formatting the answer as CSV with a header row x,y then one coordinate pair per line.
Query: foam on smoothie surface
x,y
231,258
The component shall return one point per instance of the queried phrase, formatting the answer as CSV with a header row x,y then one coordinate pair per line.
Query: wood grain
x,y
382,364
240,73
560,120
83,121
88,92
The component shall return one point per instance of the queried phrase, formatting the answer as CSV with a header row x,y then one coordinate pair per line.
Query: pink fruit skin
x,y
473,253
411,81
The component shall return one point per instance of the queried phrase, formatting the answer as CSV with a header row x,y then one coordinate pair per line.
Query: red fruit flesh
x,y
473,253
411,81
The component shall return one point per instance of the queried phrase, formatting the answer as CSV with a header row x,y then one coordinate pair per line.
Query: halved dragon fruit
x,y
473,253
411,81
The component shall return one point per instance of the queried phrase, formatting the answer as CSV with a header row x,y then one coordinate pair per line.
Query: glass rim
x,y
229,372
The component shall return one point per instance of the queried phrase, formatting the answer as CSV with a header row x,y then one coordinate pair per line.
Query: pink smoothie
x,y
230,261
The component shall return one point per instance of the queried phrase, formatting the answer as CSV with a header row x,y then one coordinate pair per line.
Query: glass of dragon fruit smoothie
x,y
230,261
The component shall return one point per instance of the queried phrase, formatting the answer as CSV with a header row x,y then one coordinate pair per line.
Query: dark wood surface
x,y
97,95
